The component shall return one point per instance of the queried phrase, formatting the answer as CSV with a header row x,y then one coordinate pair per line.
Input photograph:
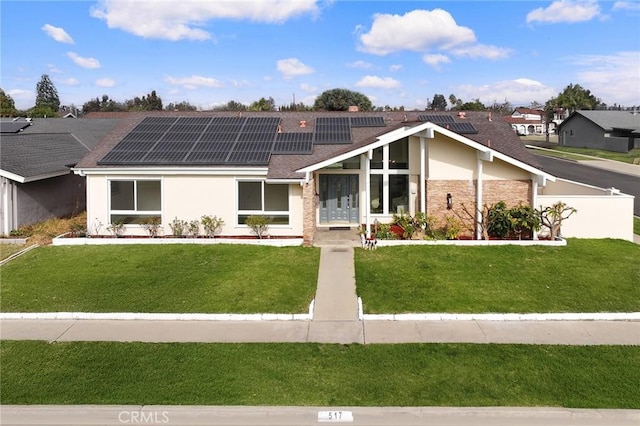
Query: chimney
x,y
489,117
489,143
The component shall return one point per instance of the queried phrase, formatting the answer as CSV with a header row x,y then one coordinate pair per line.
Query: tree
x,y
439,103
572,98
552,217
7,106
263,105
102,105
341,100
151,102
46,96
231,106
476,105
455,102
181,106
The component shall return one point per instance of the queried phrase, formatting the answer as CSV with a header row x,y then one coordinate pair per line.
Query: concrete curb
x,y
597,316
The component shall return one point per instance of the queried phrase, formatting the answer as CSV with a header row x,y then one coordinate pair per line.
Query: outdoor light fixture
x,y
449,201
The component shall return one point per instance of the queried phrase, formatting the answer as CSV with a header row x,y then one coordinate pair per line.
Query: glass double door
x,y
339,199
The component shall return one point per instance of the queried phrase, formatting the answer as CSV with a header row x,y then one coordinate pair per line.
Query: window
x,y
132,201
260,198
390,178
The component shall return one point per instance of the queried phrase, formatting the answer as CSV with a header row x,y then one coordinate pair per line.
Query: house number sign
x,y
335,416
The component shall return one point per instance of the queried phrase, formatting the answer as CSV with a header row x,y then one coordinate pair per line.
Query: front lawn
x,y
166,278
626,157
320,375
584,276
636,225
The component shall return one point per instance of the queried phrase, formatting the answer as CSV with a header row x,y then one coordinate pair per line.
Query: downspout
x,y
5,206
534,202
479,186
367,193
423,172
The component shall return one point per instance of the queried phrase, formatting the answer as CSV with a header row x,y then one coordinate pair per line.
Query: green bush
x,y
259,224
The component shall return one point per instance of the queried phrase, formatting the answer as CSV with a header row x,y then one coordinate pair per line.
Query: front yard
x,y
165,278
584,276
320,375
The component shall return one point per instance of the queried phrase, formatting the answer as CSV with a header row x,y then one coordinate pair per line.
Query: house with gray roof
x,y
310,170
36,156
609,130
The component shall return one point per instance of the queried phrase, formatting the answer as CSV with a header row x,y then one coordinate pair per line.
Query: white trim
x,y
135,212
155,171
22,179
262,212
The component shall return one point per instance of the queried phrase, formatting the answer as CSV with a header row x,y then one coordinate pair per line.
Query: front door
x,y
339,199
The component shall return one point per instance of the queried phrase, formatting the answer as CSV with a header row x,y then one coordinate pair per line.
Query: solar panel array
x,y
448,122
197,140
226,140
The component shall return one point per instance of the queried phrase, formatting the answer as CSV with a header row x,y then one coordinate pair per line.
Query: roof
x,y
609,120
48,147
496,133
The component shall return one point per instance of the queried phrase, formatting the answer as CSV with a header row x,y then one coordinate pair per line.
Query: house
x,y
609,130
309,170
528,121
36,182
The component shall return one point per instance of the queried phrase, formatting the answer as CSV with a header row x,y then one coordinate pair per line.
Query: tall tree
x,y
181,106
263,104
7,106
455,102
572,98
439,103
476,105
47,96
341,100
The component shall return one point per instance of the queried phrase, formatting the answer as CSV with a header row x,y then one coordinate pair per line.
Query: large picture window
x,y
133,201
389,187
260,198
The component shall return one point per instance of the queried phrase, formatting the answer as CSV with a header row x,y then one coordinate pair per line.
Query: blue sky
x,y
399,53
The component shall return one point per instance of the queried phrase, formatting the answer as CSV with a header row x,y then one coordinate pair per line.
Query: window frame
x,y
135,212
387,171
273,213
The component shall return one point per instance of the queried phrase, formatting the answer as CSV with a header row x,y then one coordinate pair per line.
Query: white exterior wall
x,y
600,213
189,198
450,160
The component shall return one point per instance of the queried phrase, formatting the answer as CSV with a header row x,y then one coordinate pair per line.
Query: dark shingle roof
x,y
609,120
49,147
496,132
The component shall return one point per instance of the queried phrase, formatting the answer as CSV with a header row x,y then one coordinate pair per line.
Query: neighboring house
x,y
307,170
36,182
527,121
609,130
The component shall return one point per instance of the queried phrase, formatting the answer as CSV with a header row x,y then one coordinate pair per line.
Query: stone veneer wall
x,y
309,202
511,192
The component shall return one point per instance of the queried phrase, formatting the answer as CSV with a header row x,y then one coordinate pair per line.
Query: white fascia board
x,y
284,181
382,140
155,171
22,179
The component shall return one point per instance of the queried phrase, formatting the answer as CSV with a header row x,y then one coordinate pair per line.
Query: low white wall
x,y
601,213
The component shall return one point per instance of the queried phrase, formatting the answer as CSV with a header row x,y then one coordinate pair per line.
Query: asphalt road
x,y
571,170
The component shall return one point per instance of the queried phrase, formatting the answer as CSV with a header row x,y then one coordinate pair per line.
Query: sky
x,y
398,53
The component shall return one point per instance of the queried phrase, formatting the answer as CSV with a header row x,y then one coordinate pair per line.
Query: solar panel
x,y
462,128
237,121
436,118
182,128
207,157
222,137
252,146
193,121
213,146
180,136
132,145
251,137
247,158
164,157
13,127
333,138
367,121
123,157
159,120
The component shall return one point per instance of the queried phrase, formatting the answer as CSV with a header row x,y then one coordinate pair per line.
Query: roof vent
x,y
489,117
462,114
303,123
353,108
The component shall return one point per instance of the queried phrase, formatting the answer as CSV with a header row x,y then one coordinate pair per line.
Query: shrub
x,y
178,227
194,228
152,225
499,220
212,225
259,224
116,228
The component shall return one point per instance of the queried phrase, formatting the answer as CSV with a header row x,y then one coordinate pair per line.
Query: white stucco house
x,y
308,170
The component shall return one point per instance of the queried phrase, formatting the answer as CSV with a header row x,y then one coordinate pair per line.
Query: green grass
x,y
628,157
636,225
7,250
320,374
558,154
584,276
166,278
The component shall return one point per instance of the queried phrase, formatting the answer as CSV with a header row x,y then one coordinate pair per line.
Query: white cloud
x,y
105,82
22,98
359,64
565,11
308,88
626,5
378,82
71,81
240,84
58,34
482,51
436,60
53,69
418,30
194,81
90,63
611,78
292,67
395,67
521,91
164,19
